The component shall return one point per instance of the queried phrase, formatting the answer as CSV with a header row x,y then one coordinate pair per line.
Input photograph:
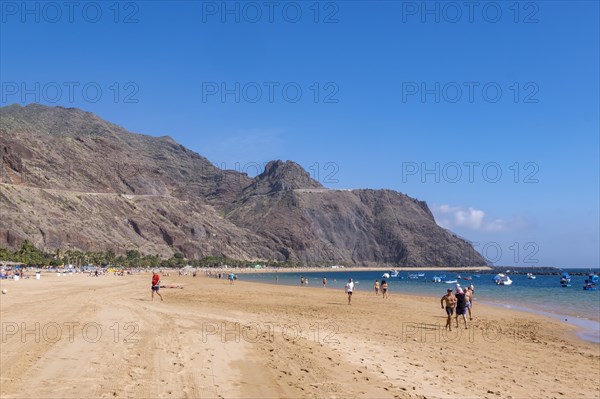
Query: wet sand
x,y
103,337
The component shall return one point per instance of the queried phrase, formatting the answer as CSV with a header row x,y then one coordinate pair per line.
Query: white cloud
x,y
469,218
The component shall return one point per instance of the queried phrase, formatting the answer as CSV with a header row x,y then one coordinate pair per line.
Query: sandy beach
x,y
82,337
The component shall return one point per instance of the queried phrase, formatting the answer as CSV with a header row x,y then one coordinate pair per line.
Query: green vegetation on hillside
x,y
32,256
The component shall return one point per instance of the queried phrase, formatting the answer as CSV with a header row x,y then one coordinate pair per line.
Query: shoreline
x,y
588,329
343,269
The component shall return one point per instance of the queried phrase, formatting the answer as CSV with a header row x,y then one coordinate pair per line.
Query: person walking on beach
x,y
376,287
324,282
469,299
349,288
449,302
384,289
461,306
156,285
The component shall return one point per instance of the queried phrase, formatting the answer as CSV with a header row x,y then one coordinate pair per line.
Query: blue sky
x,y
388,90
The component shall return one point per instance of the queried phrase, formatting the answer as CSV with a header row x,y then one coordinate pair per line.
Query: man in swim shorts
x,y
469,299
156,285
449,302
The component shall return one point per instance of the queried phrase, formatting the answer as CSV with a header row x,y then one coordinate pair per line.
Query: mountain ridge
x,y
72,178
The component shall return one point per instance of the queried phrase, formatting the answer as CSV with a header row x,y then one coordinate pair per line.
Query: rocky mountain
x,y
69,179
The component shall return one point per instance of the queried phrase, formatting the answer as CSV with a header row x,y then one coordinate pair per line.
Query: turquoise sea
x,y
542,295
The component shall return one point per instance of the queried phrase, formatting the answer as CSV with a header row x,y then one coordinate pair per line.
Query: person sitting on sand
x,y
156,285
376,287
461,306
384,288
449,302
349,288
172,286
469,299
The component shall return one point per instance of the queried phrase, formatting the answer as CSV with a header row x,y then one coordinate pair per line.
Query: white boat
x,y
450,281
565,280
394,273
385,275
531,276
502,279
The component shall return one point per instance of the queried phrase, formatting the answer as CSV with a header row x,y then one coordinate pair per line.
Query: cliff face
x,y
71,179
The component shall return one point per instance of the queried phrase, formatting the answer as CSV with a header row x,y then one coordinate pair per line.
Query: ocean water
x,y
543,295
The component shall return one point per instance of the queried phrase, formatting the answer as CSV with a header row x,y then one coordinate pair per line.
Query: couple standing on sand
x,y
461,302
350,287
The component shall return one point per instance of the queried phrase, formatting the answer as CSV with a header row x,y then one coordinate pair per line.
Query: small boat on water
x,y
468,278
385,275
420,274
451,281
413,276
437,279
458,277
565,279
502,279
394,273
591,283
531,276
